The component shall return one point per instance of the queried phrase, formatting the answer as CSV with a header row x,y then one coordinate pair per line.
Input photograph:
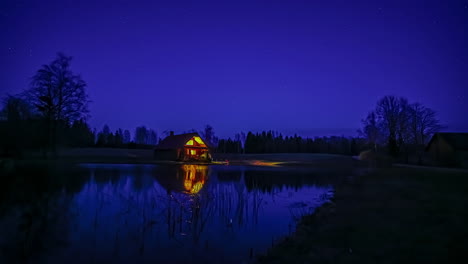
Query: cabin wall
x,y
201,154
182,154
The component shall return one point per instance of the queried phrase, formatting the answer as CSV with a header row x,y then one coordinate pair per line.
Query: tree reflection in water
x,y
127,213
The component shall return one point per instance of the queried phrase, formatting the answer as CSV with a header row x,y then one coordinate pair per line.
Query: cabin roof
x,y
458,141
176,141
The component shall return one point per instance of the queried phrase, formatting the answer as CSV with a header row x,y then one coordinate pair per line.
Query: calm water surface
x,y
96,213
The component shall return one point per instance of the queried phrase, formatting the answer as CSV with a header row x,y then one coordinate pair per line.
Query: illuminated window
x,y
199,140
190,142
193,152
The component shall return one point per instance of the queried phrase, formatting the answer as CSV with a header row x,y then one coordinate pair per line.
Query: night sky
x,y
306,67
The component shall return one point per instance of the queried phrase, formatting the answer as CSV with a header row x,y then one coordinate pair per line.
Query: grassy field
x,y
395,215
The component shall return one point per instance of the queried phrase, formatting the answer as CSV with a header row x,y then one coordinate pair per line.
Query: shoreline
x,y
144,156
392,215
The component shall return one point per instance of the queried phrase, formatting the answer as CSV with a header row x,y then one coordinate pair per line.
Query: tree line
x,y
53,112
144,138
395,127
275,142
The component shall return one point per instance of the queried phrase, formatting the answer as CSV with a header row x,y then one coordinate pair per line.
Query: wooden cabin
x,y
449,149
183,147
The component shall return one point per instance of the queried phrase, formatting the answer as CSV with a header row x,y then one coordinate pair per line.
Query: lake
x,y
94,213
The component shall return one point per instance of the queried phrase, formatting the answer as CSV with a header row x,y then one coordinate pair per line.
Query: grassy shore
x,y
394,215
146,156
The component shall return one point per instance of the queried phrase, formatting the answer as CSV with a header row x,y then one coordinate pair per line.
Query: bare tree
x,y
423,123
58,94
370,130
391,115
404,126
209,135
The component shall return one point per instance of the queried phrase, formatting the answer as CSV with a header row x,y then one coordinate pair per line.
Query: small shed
x,y
449,149
183,147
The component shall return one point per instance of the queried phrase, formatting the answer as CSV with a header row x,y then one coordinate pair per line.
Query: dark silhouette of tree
x,y
152,137
16,108
106,130
251,143
126,136
274,142
240,142
22,127
57,92
80,134
103,137
141,135
405,127
58,95
209,135
144,138
16,124
423,123
390,112
370,130
118,138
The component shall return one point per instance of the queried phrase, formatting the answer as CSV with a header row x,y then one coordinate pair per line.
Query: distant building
x,y
183,147
449,149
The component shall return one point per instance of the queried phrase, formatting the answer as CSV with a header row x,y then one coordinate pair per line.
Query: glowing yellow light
x,y
265,163
188,185
190,142
199,140
195,176
196,187
193,152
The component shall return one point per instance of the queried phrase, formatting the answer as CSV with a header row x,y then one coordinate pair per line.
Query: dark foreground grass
x,y
396,215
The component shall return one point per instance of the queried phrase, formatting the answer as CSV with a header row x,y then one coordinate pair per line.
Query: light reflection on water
x,y
176,214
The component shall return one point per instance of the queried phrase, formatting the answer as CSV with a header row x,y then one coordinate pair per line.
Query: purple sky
x,y
306,67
